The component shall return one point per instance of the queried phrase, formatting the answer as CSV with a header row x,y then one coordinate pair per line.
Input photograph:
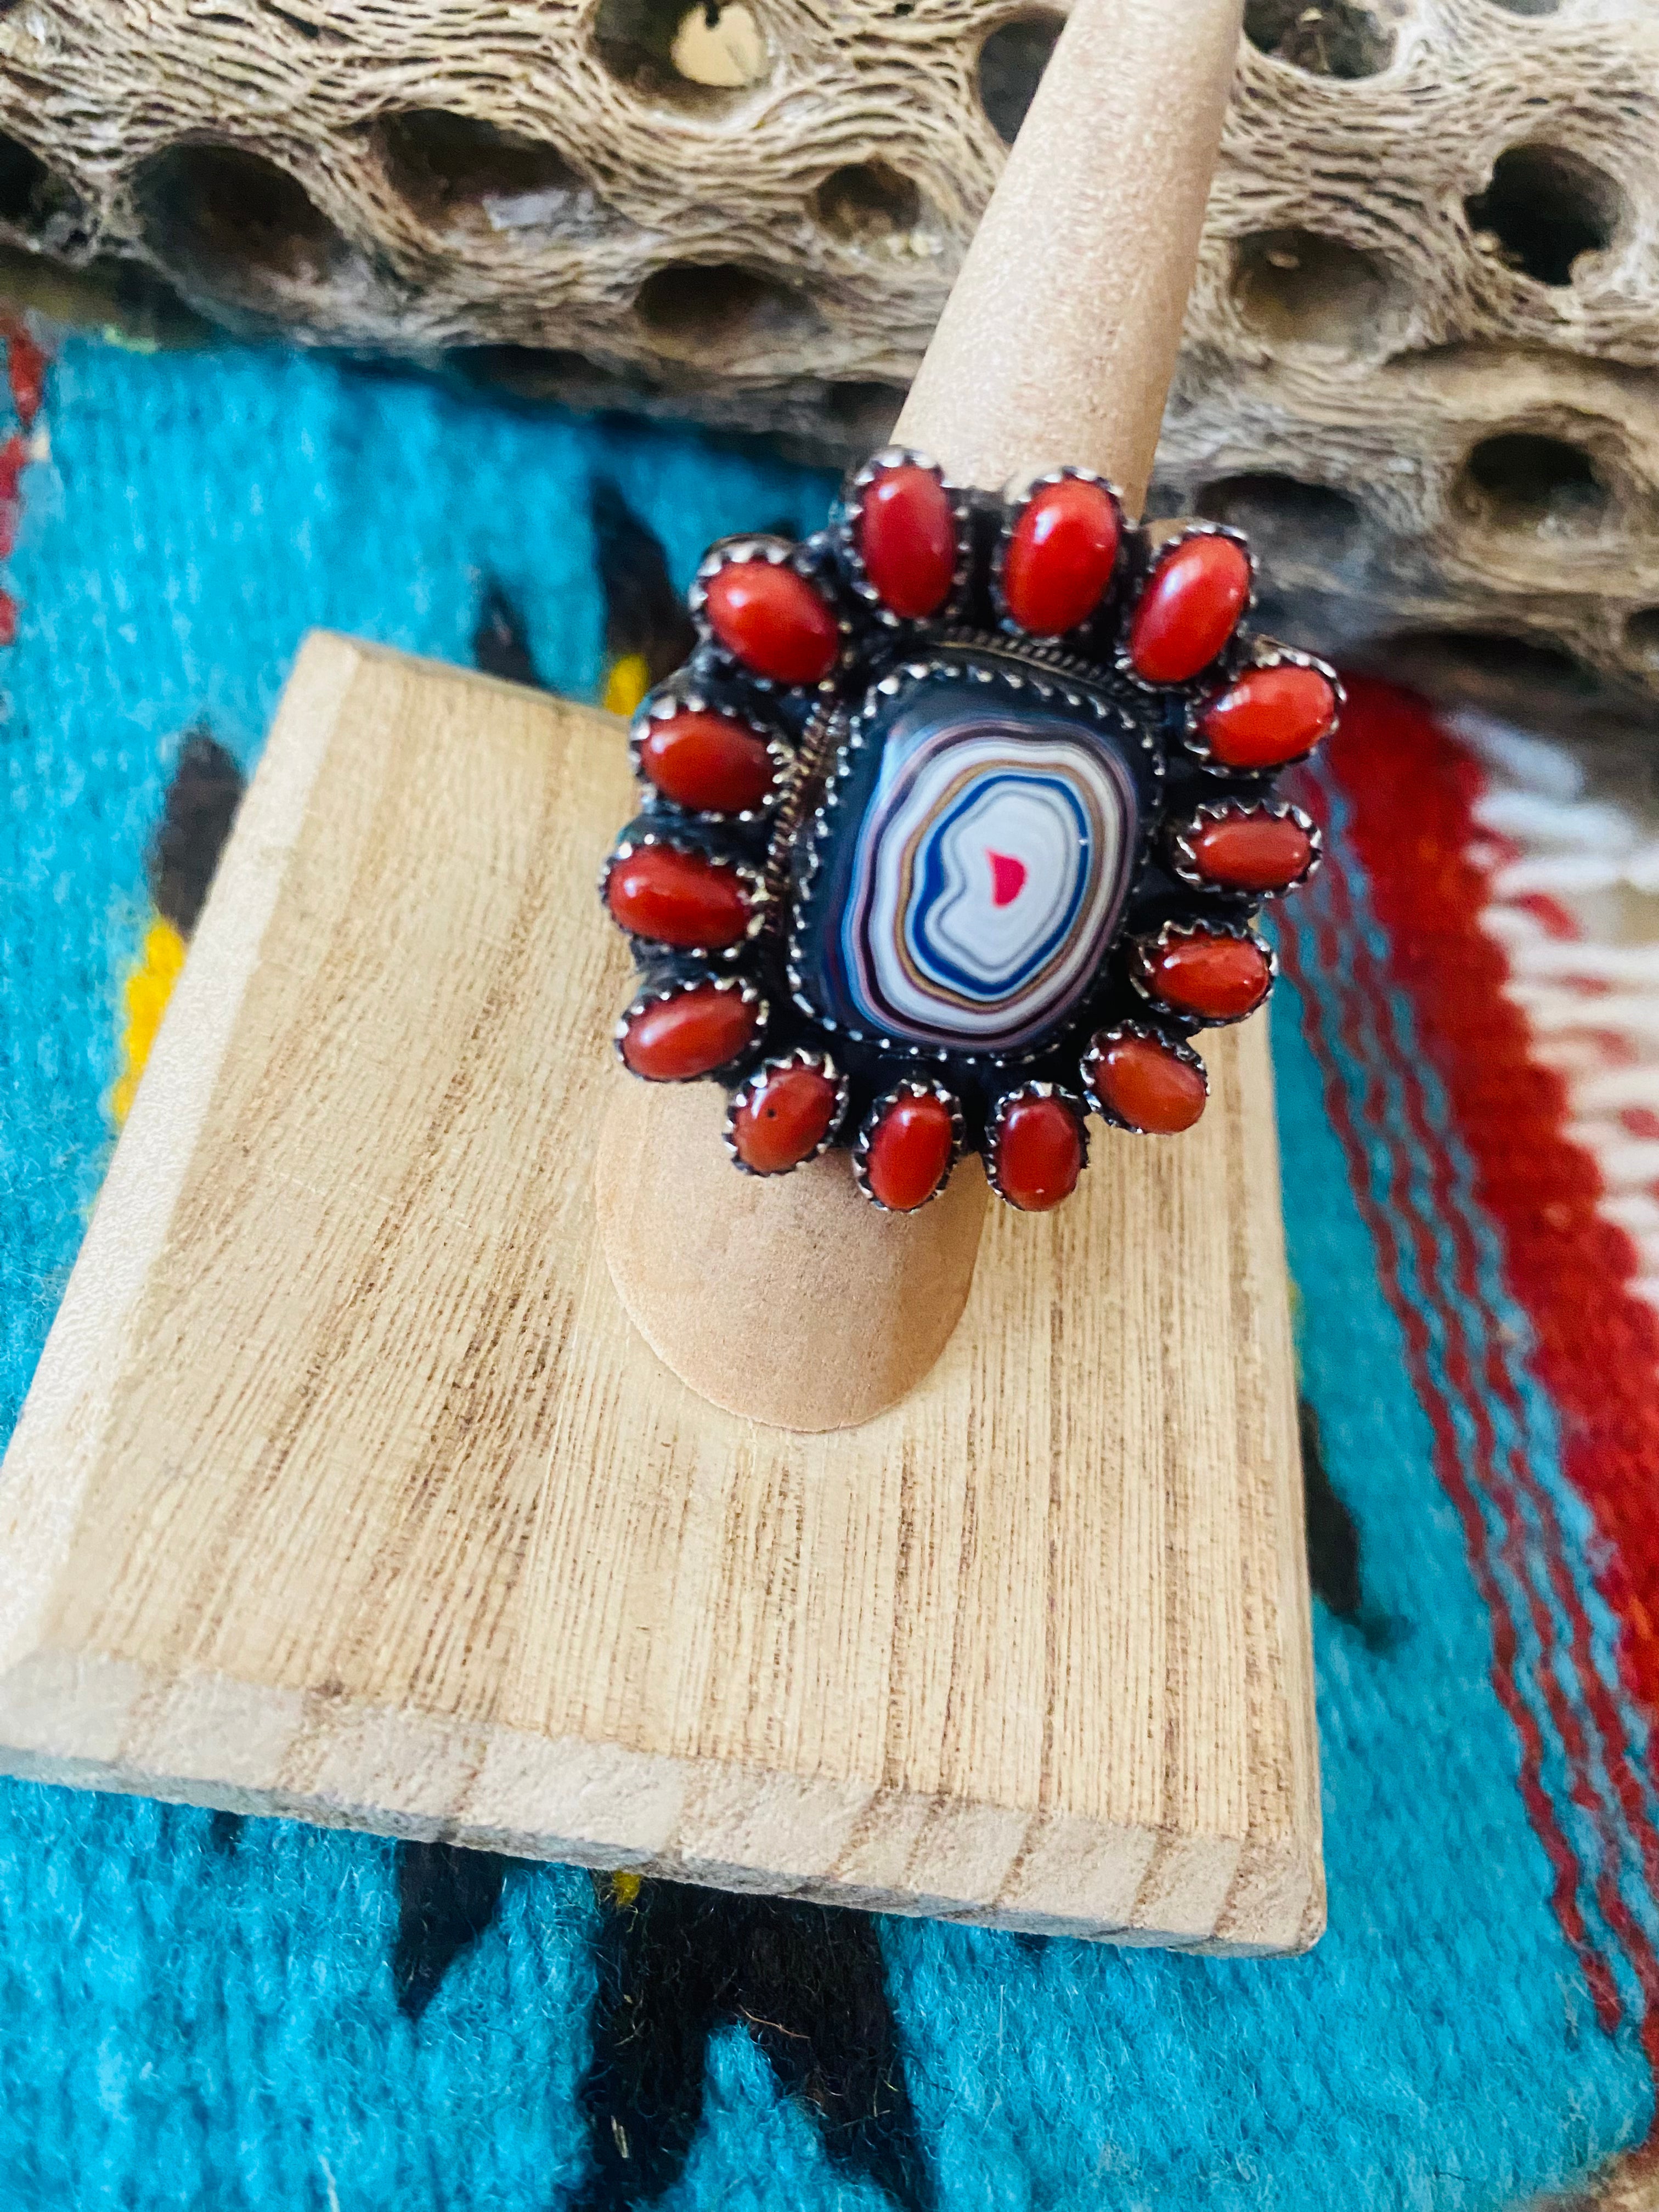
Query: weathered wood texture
x,y
1432,230
346,1489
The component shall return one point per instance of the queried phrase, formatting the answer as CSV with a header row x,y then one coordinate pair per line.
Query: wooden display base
x,y
347,1490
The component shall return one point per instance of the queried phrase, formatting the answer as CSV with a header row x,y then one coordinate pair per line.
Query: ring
x,y
954,827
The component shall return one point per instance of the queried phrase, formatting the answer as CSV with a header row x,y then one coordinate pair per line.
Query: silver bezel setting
x,y
867,1127
1159,687
1117,1034
851,514
994,1120
1183,864
777,553
1265,653
1018,496
661,994
749,1090
1145,949
754,881
666,705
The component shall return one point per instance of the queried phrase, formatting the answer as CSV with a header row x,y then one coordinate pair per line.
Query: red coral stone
x,y
1146,1084
1060,557
691,1034
1039,1153
1189,608
1250,852
909,1153
1211,975
907,539
773,621
784,1119
706,761
1270,715
678,898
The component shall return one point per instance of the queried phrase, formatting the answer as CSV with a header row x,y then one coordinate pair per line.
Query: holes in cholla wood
x,y
719,43
866,201
864,414
1641,635
1514,677
717,315
1298,287
36,201
106,294
22,174
817,421
703,57
1525,480
1291,526
290,19
1546,207
1333,38
1010,62
459,173
542,373
232,226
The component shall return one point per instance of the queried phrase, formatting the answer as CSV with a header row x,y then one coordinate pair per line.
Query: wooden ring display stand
x,y
1057,345
346,1489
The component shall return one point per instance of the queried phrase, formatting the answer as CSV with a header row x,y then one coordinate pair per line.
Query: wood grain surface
x,y
346,1489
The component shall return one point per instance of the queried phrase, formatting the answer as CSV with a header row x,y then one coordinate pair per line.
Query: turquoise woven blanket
x,y
202,2011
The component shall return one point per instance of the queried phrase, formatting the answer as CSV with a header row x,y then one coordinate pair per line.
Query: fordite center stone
x,y
967,903
958,819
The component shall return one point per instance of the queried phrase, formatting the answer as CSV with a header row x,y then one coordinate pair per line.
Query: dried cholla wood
x,y
1415,355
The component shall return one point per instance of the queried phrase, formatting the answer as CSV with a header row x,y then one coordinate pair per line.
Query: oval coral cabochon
x,y
978,866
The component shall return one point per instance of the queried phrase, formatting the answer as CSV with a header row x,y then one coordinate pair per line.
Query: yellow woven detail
x,y
624,1889
146,993
626,684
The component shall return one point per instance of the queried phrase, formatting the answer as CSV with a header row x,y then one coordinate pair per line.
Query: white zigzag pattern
x,y
1591,994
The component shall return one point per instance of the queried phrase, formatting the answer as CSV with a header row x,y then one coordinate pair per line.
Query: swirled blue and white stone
x,y
986,878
